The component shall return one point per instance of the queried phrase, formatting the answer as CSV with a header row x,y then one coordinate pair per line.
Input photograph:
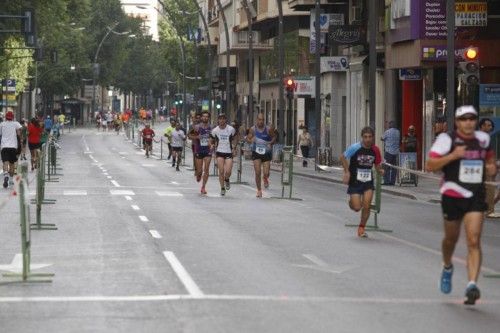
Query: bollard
x,y
161,148
22,192
375,207
287,173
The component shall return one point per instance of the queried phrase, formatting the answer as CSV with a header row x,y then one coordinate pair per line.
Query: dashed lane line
x,y
155,234
135,207
143,218
114,182
186,279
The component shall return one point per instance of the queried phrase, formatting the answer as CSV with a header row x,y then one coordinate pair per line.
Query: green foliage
x,y
14,64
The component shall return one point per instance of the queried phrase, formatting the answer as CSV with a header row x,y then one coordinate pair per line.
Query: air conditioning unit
x,y
356,13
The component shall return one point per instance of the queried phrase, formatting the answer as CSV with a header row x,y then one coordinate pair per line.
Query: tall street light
x,y
228,56
95,69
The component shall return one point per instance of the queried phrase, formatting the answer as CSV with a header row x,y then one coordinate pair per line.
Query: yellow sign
x,y
471,14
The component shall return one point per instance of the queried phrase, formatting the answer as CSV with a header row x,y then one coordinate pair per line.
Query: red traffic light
x,y
471,53
289,82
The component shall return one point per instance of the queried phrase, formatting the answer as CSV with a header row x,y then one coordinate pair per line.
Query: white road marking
x,y
87,152
123,153
315,260
104,170
135,207
105,173
175,183
74,192
269,298
191,287
121,192
148,165
128,198
114,182
155,234
143,218
168,194
109,177
139,153
16,266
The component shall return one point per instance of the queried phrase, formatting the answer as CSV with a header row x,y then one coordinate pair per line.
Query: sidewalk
x,y
427,189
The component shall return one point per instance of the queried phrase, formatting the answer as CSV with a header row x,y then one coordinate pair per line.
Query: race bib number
x,y
364,175
148,136
471,171
260,149
203,141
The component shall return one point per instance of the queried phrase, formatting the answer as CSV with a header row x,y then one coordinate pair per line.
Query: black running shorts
x,y
9,155
455,208
224,155
264,158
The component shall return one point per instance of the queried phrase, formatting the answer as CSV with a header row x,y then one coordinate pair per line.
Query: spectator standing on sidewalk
x,y
305,143
391,140
47,125
410,141
486,125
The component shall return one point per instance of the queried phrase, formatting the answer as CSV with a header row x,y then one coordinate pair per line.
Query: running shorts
x,y
224,155
33,146
455,208
203,155
360,188
264,158
9,155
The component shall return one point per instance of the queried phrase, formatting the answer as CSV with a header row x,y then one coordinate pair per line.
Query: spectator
x,y
305,142
410,141
391,139
47,124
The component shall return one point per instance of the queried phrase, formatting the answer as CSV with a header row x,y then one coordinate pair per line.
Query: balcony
x,y
309,4
213,15
240,42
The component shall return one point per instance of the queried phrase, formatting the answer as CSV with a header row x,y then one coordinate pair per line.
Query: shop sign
x,y
433,20
489,95
334,64
305,87
347,34
440,53
409,74
471,14
9,85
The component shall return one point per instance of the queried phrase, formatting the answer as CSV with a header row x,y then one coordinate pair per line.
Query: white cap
x,y
465,109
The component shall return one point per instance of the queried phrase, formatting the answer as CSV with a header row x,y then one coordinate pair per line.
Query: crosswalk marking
x,y
121,192
74,192
168,194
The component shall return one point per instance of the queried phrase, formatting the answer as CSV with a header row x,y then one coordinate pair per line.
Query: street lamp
x,y
95,69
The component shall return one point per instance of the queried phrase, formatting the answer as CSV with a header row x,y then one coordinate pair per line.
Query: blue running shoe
x,y
472,294
445,282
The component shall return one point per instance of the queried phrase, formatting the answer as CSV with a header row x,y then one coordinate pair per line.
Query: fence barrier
x,y
286,173
22,192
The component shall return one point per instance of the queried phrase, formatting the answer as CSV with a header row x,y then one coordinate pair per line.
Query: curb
x,y
337,181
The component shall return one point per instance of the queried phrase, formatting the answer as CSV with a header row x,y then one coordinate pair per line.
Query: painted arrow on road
x,y
322,266
16,266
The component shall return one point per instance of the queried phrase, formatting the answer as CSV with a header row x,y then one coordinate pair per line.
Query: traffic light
x,y
290,87
470,65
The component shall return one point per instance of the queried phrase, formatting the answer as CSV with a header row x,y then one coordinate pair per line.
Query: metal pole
x,y
250,60
228,59
372,70
184,111
317,76
281,70
209,51
450,64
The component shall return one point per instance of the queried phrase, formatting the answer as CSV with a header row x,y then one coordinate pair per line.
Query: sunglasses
x,y
467,118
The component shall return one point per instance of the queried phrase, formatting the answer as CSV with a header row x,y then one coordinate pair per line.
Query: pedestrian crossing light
x,y
290,87
470,65
218,105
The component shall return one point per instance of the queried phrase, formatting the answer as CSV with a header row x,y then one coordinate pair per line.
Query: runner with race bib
x,y
358,161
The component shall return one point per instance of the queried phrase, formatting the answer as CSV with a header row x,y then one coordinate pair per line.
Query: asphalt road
x,y
138,249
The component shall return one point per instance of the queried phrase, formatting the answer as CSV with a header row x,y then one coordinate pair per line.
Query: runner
x,y
178,137
358,161
203,149
10,132
168,135
224,136
35,132
465,156
262,138
147,135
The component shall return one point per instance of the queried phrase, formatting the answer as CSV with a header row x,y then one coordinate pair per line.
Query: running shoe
x,y
223,191
227,184
472,294
198,178
177,168
445,282
203,191
5,182
266,182
361,232
259,194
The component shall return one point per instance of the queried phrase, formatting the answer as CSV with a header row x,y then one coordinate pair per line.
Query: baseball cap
x,y
465,109
9,115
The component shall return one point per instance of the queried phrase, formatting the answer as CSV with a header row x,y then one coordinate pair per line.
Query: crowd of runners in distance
x,y
218,143
16,137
